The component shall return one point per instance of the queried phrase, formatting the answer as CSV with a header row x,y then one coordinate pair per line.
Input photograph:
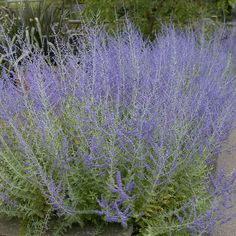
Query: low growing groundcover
x,y
117,129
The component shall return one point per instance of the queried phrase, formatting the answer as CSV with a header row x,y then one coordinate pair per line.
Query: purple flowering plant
x,y
122,130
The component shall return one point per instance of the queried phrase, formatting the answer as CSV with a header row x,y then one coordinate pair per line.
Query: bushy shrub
x,y
122,131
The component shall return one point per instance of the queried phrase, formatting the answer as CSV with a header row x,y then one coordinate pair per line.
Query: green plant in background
x,y
36,19
42,19
38,23
149,15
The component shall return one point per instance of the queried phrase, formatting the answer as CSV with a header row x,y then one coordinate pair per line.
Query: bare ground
x,y
227,161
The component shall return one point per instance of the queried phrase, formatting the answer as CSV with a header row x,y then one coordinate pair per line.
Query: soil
x,y
227,161
11,228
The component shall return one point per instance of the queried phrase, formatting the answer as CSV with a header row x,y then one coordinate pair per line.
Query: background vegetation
x,y
40,21
149,15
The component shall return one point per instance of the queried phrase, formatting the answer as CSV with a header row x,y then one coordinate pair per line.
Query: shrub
x,y
122,131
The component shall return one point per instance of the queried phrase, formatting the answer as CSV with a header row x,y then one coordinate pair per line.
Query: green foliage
x,y
36,19
161,209
149,15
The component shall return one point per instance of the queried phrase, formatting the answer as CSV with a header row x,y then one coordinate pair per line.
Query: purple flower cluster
x,y
113,211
